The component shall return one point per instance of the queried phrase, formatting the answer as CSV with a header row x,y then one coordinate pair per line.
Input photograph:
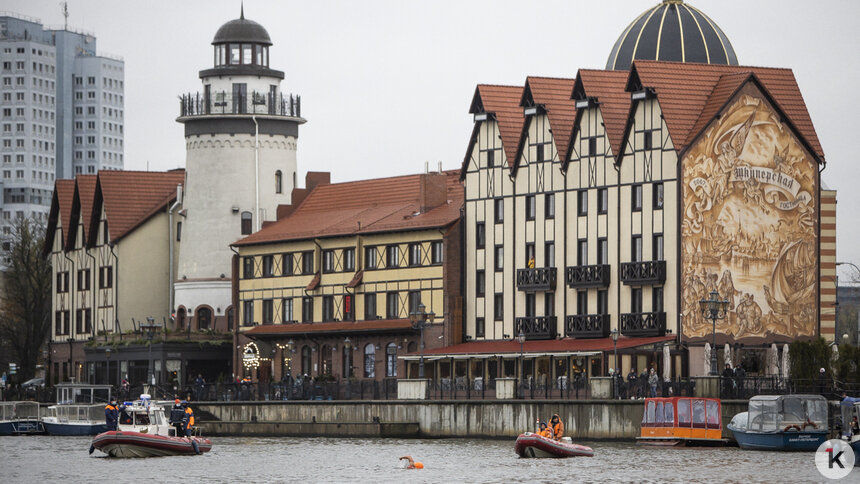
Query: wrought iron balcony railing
x,y
643,273
536,327
643,324
537,279
222,102
587,325
587,276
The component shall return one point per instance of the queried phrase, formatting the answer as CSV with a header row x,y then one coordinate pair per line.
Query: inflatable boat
x,y
534,445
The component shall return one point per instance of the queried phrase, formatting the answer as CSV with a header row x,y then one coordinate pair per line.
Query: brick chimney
x,y
433,191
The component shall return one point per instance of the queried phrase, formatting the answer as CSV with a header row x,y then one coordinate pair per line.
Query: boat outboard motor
x,y
196,447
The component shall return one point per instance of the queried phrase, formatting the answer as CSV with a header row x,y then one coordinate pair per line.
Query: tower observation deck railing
x,y
222,102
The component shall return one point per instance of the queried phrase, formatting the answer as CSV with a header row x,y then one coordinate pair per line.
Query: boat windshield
x,y
141,418
763,415
805,412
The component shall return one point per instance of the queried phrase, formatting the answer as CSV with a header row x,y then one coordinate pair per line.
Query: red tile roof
x,y
363,207
607,87
503,103
132,197
376,325
544,346
554,94
685,92
86,191
65,195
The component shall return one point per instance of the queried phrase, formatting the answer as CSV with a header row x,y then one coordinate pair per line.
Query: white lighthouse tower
x,y
240,137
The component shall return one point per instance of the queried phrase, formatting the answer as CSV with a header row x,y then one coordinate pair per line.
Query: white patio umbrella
x,y
707,358
727,351
667,364
772,367
786,361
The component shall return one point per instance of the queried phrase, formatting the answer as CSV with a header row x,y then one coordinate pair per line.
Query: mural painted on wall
x,y
749,227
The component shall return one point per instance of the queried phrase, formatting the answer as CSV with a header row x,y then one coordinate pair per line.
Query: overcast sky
x,y
386,85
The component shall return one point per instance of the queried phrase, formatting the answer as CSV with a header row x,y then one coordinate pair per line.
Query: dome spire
x,y
242,10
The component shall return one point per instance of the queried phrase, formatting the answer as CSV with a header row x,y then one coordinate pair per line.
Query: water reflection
x,y
290,459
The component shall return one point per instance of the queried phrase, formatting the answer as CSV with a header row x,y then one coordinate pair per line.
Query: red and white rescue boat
x,y
143,431
534,445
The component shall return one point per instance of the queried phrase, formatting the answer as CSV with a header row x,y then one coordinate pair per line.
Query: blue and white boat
x,y
20,418
782,422
80,410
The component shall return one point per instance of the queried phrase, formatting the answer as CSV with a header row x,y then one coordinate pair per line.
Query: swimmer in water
x,y
411,463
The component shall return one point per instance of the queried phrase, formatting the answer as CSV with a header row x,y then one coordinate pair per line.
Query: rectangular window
x,y
530,207
248,267
549,254
491,158
479,327
328,261
287,263
436,252
370,306
602,200
480,283
391,256
106,277
498,307
62,323
592,146
530,305
62,282
582,252
603,250
657,247
647,140
657,299
349,260
414,301
636,248
499,212
581,302
268,266
248,313
549,206
287,311
480,235
83,280
582,202
328,308
636,199
414,254
391,309
268,313
370,258
499,254
539,153
602,301
308,262
658,196
636,300
307,309
530,255
548,304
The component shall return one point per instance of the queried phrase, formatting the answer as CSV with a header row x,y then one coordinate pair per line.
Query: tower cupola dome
x,y
672,31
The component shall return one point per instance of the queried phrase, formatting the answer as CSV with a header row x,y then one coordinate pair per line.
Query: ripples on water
x,y
36,460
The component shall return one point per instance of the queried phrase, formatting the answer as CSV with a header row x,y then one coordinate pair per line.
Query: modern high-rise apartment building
x,y
61,113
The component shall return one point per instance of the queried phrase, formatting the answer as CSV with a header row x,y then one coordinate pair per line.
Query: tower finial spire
x,y
242,11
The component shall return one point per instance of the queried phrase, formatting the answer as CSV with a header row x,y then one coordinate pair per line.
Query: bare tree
x,y
25,302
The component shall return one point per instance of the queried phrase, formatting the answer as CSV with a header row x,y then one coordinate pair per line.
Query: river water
x,y
48,459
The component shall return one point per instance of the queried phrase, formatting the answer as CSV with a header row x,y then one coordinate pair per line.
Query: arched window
x,y
369,361
279,182
391,360
246,223
180,318
326,360
204,318
306,360
347,361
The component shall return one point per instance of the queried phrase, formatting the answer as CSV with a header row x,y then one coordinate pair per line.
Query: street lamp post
x,y
420,320
521,339
150,327
614,335
714,308
71,342
347,344
107,359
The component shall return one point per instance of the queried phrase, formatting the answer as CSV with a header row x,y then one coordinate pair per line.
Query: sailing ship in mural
x,y
749,227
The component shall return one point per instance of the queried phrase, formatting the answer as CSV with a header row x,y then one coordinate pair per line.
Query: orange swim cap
x,y
419,465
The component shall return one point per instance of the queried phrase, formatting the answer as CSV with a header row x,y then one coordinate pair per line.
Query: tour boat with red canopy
x,y
534,445
143,431
682,421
